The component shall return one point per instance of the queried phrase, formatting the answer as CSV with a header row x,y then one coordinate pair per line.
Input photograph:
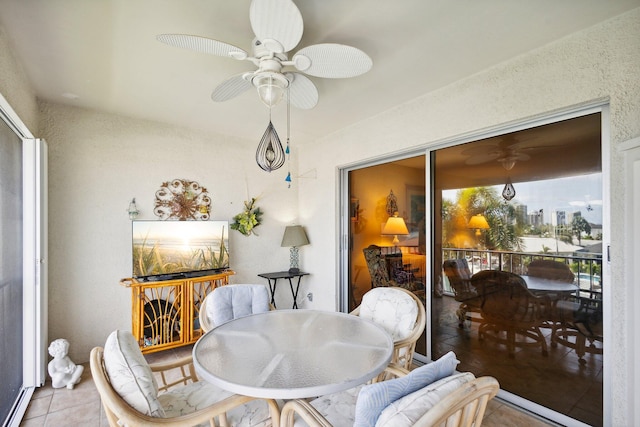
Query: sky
x,y
572,194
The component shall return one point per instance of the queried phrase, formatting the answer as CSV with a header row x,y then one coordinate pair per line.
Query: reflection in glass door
x,y
517,230
380,196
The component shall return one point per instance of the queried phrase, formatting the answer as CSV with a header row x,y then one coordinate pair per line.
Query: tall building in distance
x,y
536,218
558,218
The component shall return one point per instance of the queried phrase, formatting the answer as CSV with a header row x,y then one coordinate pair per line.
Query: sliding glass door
x,y
11,276
501,209
517,249
23,264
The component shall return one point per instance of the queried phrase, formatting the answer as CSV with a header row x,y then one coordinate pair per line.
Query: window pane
x,y
10,268
518,238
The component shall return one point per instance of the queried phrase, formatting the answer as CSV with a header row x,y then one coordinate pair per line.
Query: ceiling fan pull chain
x,y
288,151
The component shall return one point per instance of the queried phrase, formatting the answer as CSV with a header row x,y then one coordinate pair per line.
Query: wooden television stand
x,y
164,314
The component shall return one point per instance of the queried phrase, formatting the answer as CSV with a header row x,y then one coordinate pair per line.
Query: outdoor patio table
x,y
540,285
289,354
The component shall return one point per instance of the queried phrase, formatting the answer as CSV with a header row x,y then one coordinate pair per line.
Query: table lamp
x,y
294,236
479,222
395,225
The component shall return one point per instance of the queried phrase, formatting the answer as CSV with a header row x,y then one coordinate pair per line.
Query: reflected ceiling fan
x,y
278,28
507,151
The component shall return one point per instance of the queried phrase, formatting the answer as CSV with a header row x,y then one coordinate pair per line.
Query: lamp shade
x,y
294,236
395,226
479,222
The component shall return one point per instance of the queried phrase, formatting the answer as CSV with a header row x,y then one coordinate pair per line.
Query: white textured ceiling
x,y
105,53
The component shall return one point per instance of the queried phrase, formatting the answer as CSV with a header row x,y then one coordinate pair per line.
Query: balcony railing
x,y
586,267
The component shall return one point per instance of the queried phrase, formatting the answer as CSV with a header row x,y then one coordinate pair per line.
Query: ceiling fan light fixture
x,y
271,87
508,162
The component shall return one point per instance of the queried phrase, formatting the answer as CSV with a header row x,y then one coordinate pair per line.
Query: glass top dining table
x,y
290,354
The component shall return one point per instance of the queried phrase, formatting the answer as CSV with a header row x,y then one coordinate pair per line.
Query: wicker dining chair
x,y
431,395
401,313
131,395
229,302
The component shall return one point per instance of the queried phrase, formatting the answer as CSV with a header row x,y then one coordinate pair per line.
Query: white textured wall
x,y
97,163
14,85
602,62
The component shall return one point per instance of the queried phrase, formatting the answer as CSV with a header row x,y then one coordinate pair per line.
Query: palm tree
x,y
578,226
504,230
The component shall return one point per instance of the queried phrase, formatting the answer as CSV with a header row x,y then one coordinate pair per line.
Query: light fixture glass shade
x,y
508,162
271,88
294,236
395,226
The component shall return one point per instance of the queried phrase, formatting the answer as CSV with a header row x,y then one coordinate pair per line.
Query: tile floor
x,y
81,406
557,381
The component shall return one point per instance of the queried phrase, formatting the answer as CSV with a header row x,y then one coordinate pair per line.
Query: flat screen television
x,y
165,250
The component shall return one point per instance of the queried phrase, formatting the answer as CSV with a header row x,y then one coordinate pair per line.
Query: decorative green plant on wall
x,y
246,221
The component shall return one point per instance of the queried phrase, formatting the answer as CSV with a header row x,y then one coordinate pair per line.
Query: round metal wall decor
x,y
183,200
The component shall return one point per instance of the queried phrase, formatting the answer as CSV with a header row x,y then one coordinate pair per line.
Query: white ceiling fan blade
x,y
522,157
231,88
332,60
277,24
482,150
479,159
203,45
302,92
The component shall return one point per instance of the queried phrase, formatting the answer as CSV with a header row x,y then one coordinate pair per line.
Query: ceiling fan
x,y
278,28
507,151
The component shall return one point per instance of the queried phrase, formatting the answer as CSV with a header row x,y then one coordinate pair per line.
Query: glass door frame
x,y
344,219
35,260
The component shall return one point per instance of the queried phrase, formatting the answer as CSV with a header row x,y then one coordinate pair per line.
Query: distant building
x,y
536,218
558,218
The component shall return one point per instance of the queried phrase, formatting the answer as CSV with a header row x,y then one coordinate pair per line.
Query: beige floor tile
x,y
38,406
85,415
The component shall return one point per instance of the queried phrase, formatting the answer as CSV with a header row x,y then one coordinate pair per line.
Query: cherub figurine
x,y
62,370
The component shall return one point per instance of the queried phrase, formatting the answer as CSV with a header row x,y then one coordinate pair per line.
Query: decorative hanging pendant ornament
x,y
270,155
508,192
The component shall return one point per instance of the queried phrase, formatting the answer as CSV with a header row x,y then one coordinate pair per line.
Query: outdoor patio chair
x,y
578,321
131,396
457,271
229,302
550,269
401,313
509,307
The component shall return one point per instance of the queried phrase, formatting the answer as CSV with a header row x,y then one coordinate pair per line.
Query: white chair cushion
x,y
408,409
392,309
233,301
374,398
195,396
130,374
338,408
